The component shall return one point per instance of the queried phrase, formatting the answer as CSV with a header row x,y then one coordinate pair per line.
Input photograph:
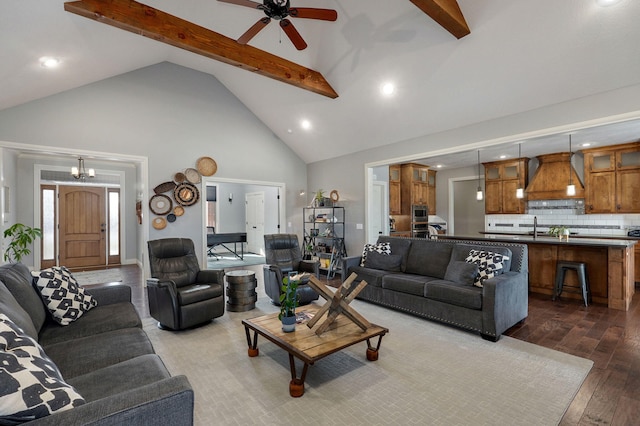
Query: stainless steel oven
x,y
419,221
419,213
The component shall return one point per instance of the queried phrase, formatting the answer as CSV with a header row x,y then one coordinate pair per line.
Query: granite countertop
x,y
528,239
573,235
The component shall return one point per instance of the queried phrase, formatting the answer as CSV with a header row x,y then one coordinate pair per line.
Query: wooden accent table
x,y
305,345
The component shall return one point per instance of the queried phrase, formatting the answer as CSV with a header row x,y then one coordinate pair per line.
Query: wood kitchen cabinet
x,y
415,187
637,262
395,206
502,179
431,194
612,179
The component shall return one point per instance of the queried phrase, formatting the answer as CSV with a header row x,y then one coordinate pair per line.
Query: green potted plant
x,y
319,198
22,236
308,251
288,303
558,231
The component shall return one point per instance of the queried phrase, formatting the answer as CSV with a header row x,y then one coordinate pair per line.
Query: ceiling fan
x,y
280,10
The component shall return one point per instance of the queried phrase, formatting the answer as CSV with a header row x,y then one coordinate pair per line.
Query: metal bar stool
x,y
583,280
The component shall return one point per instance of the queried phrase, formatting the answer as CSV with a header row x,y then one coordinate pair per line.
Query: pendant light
x,y
479,194
571,188
520,190
80,172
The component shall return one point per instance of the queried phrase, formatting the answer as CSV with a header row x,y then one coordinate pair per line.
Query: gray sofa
x,y
431,279
105,355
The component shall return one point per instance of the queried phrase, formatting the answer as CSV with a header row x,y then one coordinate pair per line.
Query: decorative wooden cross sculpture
x,y
337,303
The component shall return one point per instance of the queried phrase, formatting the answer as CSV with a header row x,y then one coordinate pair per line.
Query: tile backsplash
x,y
567,213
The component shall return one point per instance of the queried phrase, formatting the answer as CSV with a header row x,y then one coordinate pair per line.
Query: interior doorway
x,y
227,209
466,213
254,212
379,208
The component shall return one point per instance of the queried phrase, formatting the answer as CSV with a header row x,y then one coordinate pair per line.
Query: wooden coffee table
x,y
308,347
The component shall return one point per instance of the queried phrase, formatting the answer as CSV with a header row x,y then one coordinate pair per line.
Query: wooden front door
x,y
82,226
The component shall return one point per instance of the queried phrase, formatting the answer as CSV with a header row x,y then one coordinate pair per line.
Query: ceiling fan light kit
x,y
280,10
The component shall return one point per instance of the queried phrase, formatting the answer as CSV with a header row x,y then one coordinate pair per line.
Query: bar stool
x,y
583,279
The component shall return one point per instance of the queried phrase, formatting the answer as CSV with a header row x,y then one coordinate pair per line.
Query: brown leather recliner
x,y
180,294
282,255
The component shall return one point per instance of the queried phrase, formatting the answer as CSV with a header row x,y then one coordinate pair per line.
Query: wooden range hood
x,y
552,177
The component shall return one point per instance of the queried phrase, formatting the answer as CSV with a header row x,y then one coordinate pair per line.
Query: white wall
x,y
172,116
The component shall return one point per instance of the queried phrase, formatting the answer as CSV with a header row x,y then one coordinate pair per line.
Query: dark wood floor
x,y
611,339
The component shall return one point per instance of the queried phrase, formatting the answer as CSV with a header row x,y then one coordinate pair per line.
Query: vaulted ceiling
x,y
520,55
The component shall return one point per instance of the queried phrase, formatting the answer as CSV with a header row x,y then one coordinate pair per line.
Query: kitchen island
x,y
610,264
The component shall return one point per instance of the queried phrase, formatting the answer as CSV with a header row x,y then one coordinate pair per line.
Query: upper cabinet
x,y
612,179
431,195
395,206
502,179
418,185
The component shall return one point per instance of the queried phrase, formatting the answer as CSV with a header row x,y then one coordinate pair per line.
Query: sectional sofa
x,y
435,279
99,369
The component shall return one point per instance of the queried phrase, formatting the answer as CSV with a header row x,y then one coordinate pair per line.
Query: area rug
x,y
228,260
97,277
427,373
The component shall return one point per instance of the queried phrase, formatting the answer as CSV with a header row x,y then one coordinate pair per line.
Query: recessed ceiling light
x,y
289,131
503,156
605,3
49,62
387,89
586,144
438,166
305,124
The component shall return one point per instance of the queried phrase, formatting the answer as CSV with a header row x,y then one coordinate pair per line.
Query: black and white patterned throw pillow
x,y
62,295
382,248
31,385
489,264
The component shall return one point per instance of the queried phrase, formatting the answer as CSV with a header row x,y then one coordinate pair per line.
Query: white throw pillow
x,y
62,295
382,248
489,264
31,385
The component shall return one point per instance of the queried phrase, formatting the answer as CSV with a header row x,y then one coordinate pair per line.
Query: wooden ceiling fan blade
x,y
255,29
246,3
293,34
313,13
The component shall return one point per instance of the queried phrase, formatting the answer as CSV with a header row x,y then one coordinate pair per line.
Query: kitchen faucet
x,y
535,227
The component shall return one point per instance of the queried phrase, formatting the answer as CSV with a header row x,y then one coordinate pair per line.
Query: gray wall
x,y
172,116
347,173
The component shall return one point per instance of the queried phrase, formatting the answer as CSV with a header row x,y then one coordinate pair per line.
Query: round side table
x,y
241,289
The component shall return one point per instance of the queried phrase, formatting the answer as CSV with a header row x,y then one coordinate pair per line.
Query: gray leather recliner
x,y
282,255
180,294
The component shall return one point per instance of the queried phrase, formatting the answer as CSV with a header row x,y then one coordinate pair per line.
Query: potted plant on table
x,y
288,303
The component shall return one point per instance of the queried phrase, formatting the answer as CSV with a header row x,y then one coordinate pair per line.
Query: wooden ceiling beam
x,y
447,13
147,21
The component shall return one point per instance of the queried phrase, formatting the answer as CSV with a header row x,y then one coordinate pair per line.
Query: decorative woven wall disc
x,y
160,204
186,194
206,166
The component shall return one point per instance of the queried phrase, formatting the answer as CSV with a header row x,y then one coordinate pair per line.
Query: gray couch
x,y
431,279
105,355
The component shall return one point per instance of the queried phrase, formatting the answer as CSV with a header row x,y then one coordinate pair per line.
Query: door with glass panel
x,y
81,226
